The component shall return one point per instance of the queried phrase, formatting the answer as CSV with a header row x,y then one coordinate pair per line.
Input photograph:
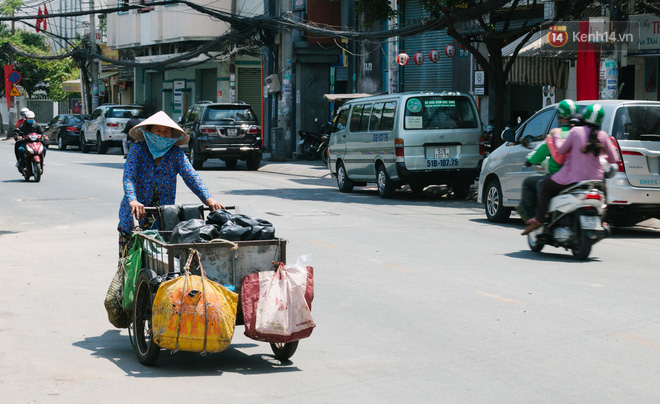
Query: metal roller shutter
x,y
249,88
209,85
428,76
156,90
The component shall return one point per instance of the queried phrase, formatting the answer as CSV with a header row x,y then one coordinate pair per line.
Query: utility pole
x,y
11,118
95,70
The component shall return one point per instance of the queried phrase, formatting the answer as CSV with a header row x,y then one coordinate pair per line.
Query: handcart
x,y
225,262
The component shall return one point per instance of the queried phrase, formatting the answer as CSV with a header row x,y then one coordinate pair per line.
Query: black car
x,y
228,131
64,130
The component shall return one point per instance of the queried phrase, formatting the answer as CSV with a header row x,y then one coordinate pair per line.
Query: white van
x,y
417,139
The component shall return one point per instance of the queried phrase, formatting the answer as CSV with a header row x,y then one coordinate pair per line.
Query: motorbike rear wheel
x,y
309,149
36,171
145,347
582,247
325,154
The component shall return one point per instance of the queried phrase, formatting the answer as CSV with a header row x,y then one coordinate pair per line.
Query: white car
x,y
633,193
105,125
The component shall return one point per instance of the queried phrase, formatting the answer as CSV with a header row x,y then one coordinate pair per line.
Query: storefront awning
x,y
538,63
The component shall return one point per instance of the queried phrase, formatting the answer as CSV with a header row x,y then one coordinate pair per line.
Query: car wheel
x,y
60,143
493,203
386,186
253,161
343,182
195,159
101,147
83,143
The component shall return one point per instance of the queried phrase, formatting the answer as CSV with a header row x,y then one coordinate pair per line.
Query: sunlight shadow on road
x,y
116,348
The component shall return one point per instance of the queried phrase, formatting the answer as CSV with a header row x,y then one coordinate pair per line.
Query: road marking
x,y
499,298
640,340
393,266
323,244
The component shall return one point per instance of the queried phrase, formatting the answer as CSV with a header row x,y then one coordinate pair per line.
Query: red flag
x,y
39,20
44,20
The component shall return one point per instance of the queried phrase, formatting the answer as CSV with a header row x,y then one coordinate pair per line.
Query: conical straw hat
x,y
159,118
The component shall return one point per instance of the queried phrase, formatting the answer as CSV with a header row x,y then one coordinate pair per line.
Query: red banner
x,y
588,67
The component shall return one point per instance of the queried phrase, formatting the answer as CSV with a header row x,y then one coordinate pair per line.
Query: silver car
x,y
105,125
633,193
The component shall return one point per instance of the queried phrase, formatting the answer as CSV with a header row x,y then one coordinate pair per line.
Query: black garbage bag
x,y
234,232
219,217
194,231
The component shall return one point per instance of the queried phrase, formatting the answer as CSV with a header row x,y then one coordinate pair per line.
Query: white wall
x,y
164,25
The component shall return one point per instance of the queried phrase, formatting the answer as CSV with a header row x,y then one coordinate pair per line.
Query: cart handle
x,y
151,209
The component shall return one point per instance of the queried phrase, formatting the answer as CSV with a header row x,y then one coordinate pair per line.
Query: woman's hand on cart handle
x,y
213,204
137,209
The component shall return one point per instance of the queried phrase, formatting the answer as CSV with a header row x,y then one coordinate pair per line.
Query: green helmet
x,y
567,108
593,114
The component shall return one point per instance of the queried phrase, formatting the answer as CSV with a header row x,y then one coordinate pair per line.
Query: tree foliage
x,y
38,75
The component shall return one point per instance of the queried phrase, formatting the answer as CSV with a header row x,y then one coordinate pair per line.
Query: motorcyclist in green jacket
x,y
566,110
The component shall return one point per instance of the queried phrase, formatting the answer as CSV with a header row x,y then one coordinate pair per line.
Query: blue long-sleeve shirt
x,y
142,176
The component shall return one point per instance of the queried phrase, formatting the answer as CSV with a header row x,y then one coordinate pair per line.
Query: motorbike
x,y
316,144
34,156
575,220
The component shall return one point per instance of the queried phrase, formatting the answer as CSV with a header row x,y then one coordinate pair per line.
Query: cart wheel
x,y
146,349
284,351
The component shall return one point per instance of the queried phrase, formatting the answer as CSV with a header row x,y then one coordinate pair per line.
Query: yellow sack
x,y
192,313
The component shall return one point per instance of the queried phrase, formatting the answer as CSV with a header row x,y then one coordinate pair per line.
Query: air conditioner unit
x,y
272,84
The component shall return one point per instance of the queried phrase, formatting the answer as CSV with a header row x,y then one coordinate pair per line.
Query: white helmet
x,y
29,115
24,110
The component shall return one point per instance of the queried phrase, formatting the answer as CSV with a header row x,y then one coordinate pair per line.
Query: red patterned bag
x,y
277,304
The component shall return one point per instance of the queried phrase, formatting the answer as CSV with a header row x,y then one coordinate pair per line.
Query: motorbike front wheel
x,y
36,171
309,149
534,243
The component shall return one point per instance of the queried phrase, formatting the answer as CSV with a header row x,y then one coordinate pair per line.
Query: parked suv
x,y
633,194
228,131
105,125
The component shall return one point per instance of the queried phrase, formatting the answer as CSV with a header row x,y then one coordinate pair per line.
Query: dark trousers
x,y
549,188
530,190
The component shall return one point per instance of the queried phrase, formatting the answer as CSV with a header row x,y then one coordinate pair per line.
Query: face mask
x,y
159,145
30,121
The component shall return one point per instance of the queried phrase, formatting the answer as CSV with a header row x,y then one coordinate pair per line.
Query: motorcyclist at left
x,y
29,126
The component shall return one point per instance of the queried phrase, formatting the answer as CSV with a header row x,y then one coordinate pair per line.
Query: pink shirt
x,y
581,166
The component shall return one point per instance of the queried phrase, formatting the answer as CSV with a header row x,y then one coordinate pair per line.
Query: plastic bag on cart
x,y
277,304
193,313
113,300
132,266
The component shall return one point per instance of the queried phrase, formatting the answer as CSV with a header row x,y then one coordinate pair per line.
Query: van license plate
x,y
590,222
441,153
232,132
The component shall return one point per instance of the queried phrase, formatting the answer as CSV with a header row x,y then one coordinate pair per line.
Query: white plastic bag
x,y
282,309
